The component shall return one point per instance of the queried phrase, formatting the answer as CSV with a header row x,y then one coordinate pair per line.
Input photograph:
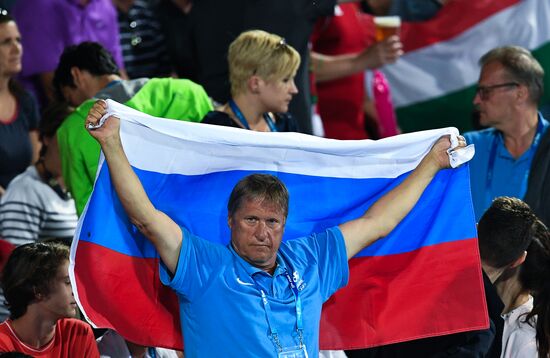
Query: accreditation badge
x,y
293,352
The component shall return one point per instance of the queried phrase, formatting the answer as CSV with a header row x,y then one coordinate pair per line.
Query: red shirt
x,y
341,100
72,338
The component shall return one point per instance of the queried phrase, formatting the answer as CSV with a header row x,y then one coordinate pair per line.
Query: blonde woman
x,y
261,72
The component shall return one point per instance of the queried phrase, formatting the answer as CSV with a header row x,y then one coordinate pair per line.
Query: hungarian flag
x,y
188,171
433,84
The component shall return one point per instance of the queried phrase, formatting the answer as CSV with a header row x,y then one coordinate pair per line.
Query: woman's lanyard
x,y
491,165
269,314
244,122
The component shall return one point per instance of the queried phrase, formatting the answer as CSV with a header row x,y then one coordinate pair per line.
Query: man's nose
x,y
261,231
16,48
477,98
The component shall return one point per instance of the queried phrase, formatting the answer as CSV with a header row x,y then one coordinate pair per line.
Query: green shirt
x,y
159,97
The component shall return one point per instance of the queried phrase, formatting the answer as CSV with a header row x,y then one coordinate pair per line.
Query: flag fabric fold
x,y
422,280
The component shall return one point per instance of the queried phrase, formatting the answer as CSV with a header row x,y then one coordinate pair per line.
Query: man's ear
x,y
37,295
519,260
523,93
230,221
46,141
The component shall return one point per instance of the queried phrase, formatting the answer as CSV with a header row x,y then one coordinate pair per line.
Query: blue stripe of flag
x,y
198,202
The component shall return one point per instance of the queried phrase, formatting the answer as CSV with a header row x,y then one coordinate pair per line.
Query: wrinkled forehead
x,y
494,71
262,203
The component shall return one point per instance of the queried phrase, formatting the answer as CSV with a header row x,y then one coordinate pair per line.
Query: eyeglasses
x,y
485,91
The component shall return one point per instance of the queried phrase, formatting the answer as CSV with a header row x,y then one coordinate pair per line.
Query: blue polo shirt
x,y
510,175
221,310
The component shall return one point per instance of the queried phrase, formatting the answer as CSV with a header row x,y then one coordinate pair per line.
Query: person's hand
x,y
438,156
109,131
383,53
2,190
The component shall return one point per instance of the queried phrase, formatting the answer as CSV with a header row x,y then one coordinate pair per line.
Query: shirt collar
x,y
501,148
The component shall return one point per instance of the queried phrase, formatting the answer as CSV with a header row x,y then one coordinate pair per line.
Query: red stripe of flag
x,y
452,20
387,298
143,309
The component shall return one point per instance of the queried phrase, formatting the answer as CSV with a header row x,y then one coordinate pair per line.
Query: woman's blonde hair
x,y
260,53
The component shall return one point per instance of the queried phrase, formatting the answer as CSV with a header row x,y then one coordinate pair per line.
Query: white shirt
x,y
519,337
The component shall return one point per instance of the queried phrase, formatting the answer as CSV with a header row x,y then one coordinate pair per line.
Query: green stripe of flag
x,y
455,109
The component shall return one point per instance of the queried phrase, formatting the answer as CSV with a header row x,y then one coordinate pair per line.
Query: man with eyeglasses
x,y
509,89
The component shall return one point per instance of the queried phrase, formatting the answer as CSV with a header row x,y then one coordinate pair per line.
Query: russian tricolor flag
x,y
424,279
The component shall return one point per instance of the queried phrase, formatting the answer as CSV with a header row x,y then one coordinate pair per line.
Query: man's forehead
x,y
63,270
493,70
261,205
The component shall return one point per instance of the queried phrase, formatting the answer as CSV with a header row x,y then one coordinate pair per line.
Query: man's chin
x,y
263,261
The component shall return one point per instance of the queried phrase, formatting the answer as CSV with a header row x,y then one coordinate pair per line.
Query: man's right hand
x,y
109,131
162,231
382,53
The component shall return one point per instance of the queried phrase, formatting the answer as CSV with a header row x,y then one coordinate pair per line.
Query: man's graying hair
x,y
259,187
521,67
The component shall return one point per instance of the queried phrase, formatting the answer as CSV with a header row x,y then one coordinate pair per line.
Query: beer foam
x,y
387,21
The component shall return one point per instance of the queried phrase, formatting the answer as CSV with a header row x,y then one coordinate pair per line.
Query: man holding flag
x,y
271,291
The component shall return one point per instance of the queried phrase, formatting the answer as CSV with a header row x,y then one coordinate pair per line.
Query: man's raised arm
x,y
384,215
162,231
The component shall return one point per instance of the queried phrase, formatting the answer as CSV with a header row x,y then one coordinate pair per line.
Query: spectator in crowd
x,y
41,303
216,23
175,21
19,117
261,71
87,72
256,259
142,40
510,87
526,294
341,85
508,232
36,204
48,26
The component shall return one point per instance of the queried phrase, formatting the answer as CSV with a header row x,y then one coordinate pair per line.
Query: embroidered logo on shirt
x,y
244,283
300,284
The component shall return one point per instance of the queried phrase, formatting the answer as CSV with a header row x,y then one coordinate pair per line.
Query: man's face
x,y
52,156
496,96
83,88
256,232
60,303
73,95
